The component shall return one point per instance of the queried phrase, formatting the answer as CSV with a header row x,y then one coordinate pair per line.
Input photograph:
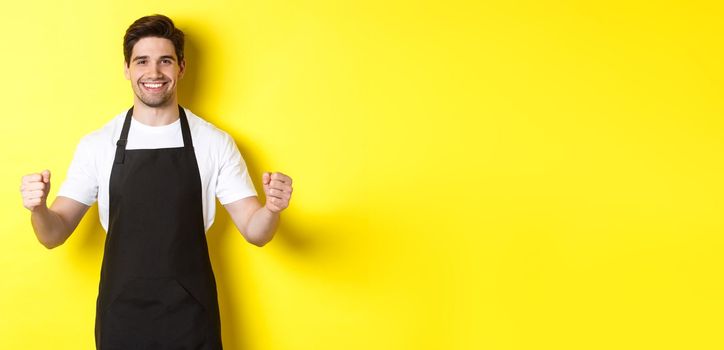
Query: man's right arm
x,y
52,225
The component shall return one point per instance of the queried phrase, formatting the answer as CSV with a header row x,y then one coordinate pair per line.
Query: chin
x,y
155,103
158,104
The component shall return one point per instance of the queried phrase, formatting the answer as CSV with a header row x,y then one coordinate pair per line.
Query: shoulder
x,y
105,136
207,134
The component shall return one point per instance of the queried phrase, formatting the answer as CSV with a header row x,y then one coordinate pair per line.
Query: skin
x,y
153,60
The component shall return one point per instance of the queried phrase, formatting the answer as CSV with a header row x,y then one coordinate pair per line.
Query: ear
x,y
126,72
181,68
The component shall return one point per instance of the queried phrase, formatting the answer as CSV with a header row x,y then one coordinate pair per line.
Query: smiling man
x,y
156,171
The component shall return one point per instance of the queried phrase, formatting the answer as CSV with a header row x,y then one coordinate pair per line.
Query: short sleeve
x,y
233,182
81,182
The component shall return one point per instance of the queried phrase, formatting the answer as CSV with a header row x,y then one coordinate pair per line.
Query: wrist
x,y
41,208
270,212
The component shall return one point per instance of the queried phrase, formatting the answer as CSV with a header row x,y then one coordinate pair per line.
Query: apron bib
x,y
157,288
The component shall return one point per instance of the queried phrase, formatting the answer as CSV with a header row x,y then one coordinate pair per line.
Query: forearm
x,y
261,227
49,227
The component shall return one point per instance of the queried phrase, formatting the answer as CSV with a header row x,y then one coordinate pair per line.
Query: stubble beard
x,y
153,101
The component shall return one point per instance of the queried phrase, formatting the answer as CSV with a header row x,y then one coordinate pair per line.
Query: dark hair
x,y
154,26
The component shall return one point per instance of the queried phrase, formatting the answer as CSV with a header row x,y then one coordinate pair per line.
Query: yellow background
x,y
468,175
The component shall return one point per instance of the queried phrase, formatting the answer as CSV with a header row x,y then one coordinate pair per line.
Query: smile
x,y
155,86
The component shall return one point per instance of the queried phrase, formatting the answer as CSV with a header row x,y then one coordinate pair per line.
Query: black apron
x,y
157,289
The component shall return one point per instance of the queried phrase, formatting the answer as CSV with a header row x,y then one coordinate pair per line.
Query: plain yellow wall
x,y
468,175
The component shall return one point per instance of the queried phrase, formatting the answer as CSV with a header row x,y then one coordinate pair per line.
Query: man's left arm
x,y
257,222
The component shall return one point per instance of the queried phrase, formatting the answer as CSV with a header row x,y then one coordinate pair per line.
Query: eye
x,y
141,62
167,61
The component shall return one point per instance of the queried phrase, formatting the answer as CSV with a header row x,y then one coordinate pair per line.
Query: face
x,y
154,71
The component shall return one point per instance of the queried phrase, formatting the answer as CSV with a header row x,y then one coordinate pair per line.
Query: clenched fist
x,y
278,190
35,188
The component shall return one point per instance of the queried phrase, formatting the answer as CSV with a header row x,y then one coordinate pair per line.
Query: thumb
x,y
266,178
46,176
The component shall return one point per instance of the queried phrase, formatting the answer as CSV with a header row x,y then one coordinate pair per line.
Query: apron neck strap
x,y
123,140
185,129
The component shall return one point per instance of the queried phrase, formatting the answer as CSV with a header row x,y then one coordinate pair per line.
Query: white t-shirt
x,y
223,171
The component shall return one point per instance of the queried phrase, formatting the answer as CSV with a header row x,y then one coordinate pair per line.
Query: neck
x,y
155,116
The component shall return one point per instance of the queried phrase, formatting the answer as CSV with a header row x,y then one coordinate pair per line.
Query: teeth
x,y
153,86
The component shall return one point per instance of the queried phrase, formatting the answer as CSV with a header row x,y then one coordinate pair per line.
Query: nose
x,y
155,71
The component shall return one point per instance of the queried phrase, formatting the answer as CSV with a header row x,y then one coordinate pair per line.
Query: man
x,y
155,171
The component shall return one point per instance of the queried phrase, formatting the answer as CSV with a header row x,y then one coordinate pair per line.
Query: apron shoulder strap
x,y
185,129
123,139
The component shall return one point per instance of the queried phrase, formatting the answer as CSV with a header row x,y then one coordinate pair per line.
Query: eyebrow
x,y
146,57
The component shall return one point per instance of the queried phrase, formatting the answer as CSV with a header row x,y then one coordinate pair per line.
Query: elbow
x,y
258,242
256,239
49,244
52,241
